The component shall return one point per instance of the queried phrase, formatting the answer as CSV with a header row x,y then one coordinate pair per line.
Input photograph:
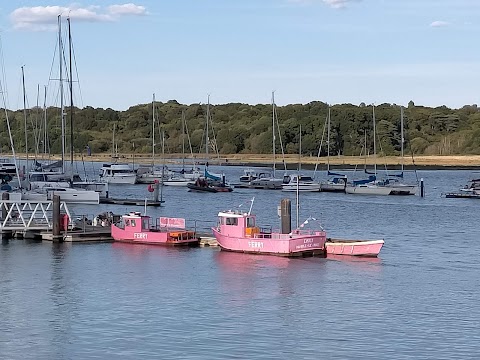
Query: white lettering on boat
x,y
306,241
307,245
255,244
140,235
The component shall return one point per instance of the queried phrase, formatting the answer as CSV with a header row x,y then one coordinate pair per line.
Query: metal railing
x,y
27,215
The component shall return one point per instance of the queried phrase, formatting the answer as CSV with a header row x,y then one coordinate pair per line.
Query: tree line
x,y
242,128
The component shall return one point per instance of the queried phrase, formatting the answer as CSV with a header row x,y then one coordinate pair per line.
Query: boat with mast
x,y
299,182
369,186
116,173
150,174
337,182
69,185
394,181
264,179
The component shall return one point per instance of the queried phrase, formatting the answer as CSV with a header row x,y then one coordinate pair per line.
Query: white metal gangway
x,y
29,215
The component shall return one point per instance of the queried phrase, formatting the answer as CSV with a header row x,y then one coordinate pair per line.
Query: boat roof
x,y
135,214
232,214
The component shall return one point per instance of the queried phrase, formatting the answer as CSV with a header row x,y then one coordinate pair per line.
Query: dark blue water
x,y
419,299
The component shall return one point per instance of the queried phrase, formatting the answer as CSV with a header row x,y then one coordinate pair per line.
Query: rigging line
x,y
320,147
215,147
3,80
280,138
76,73
189,142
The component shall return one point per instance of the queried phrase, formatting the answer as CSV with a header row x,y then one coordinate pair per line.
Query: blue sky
x,y
337,51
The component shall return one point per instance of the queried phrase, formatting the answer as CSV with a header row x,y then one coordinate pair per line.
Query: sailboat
x,y
268,180
46,181
115,173
209,182
151,174
395,181
299,182
369,186
337,182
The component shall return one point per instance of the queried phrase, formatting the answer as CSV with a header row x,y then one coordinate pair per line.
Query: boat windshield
x,y
250,222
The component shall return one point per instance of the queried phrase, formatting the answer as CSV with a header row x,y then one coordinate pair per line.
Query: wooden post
x,y
56,218
286,216
156,188
422,188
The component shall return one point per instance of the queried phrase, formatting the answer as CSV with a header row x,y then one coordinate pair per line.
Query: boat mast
x,y
273,131
45,122
401,134
62,114
207,140
71,94
374,143
300,151
153,132
183,139
3,92
25,113
328,142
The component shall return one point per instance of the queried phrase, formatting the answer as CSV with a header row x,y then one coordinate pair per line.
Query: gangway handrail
x,y
29,215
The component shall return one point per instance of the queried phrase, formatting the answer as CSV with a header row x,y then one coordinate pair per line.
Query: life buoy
x,y
150,188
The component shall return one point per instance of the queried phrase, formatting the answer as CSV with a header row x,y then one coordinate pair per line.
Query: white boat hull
x,y
301,187
182,182
127,179
368,190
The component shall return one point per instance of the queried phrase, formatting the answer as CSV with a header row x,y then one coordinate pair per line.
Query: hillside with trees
x,y
242,128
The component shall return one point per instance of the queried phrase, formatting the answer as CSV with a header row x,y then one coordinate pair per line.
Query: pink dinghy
x,y
137,228
237,231
369,248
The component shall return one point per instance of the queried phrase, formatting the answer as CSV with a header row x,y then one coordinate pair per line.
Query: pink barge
x,y
137,228
237,231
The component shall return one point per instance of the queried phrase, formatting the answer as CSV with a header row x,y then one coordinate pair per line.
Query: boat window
x,y
133,223
145,224
127,222
231,221
305,178
250,222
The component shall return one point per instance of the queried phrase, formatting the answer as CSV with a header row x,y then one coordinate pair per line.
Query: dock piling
x,y
56,218
422,188
286,216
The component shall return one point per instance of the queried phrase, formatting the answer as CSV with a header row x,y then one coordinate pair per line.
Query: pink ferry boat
x,y
237,231
137,228
368,248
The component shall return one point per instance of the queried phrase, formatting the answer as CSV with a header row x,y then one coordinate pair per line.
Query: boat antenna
x,y
251,205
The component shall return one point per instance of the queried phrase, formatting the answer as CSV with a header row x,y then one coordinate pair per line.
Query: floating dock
x,y
208,241
463,195
89,234
133,202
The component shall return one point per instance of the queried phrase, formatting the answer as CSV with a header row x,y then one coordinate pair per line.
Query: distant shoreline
x,y
433,162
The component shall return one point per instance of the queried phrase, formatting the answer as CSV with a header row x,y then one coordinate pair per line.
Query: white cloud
x,y
127,9
338,4
40,18
439,23
335,4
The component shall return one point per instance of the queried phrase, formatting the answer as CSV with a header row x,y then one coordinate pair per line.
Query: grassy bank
x,y
434,161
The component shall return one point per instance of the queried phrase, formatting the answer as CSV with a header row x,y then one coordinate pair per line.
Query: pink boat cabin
x,y
238,232
137,228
